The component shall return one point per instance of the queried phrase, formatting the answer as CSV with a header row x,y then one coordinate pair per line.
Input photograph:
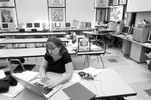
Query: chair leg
x,y
102,61
87,60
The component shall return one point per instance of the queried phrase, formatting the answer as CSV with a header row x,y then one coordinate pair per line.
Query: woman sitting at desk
x,y
58,60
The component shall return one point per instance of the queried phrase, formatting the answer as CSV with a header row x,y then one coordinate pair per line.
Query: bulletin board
x,y
116,13
8,15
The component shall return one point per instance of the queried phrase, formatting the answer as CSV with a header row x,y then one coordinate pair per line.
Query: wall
x,y
138,5
37,10
31,11
143,15
82,10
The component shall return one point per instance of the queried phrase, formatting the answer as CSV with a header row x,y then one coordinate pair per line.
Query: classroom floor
x,y
137,75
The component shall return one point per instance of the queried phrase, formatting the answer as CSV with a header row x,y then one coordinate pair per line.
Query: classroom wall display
x,y
115,2
8,15
116,13
56,3
57,14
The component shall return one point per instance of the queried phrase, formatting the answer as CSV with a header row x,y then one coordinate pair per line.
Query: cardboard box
x,y
141,34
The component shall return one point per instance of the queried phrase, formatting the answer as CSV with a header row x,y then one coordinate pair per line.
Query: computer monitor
x,y
126,29
57,24
36,25
88,24
5,26
67,24
29,25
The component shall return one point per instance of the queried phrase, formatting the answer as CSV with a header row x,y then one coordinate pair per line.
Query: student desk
x,y
102,34
26,52
32,34
106,84
136,49
78,31
27,40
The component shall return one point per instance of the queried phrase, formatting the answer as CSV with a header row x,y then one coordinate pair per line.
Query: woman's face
x,y
53,49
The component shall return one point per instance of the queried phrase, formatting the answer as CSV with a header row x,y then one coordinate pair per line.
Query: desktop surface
x,y
108,83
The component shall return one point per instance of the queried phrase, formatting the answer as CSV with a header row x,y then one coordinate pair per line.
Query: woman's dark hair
x,y
57,42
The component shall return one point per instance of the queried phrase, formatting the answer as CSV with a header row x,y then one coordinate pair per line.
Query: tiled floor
x,y
137,75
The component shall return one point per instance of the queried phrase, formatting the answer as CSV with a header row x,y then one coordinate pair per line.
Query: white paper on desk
x,y
75,77
14,90
2,74
92,71
27,75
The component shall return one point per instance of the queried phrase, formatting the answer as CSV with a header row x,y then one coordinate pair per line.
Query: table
x,y
136,49
27,41
108,84
102,33
32,34
26,52
78,31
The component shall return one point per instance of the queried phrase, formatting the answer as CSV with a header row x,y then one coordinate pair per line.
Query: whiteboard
x,y
138,5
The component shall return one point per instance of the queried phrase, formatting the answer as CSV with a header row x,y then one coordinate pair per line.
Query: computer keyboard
x,y
44,90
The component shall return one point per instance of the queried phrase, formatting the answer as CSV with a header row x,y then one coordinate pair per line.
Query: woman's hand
x,y
51,83
43,78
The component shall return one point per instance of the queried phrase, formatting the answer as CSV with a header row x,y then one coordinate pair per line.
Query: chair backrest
x,y
34,30
83,44
18,62
22,30
100,45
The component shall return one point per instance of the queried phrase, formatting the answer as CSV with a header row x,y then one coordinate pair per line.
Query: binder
x,y
78,92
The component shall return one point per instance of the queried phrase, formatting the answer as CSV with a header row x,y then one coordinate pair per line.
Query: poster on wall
x,y
8,16
57,14
56,3
116,13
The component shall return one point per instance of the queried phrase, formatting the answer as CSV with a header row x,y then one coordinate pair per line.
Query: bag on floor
x,y
4,83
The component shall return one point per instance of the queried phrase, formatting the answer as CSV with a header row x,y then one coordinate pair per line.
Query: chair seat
x,y
19,69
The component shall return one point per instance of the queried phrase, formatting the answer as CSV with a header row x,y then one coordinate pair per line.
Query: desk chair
x,y
86,47
21,30
20,66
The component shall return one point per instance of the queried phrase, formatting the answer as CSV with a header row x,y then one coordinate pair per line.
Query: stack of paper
x,y
92,71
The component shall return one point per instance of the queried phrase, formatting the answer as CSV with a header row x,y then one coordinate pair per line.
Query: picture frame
x,y
115,2
121,2
56,3
116,13
57,14
8,15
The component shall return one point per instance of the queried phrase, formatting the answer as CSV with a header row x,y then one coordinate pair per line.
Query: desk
x,y
32,34
102,33
137,50
78,31
27,40
109,84
26,52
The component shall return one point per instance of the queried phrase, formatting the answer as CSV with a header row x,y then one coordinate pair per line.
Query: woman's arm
x,y
63,78
42,70
68,74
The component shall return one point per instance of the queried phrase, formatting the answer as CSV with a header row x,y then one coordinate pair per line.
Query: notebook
x,y
37,87
78,92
